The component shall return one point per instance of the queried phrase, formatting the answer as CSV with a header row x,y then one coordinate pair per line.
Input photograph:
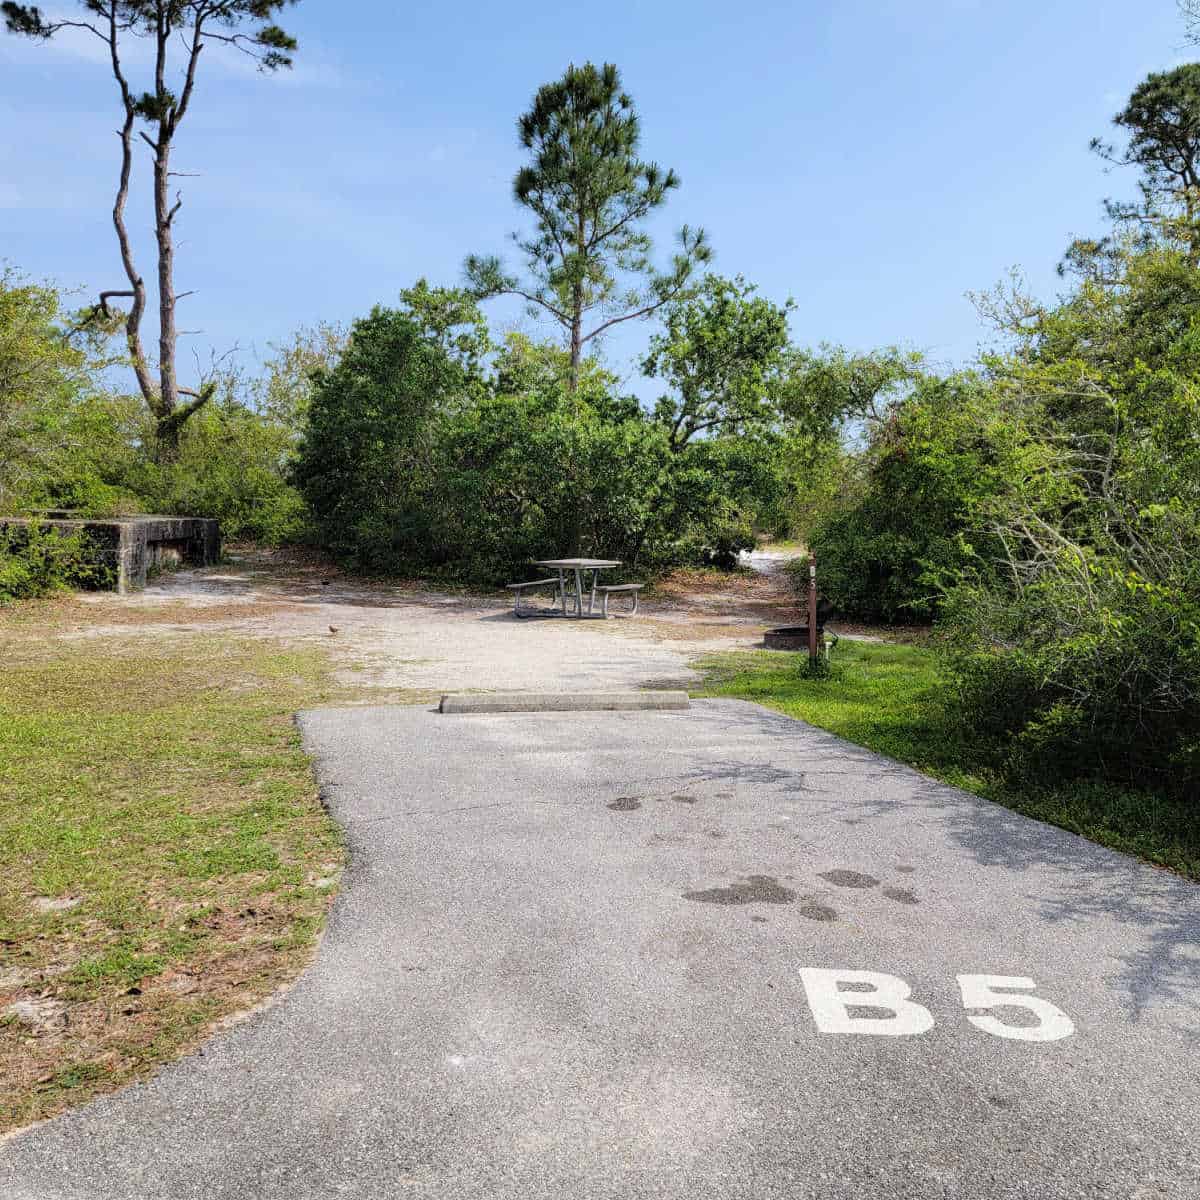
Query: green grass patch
x,y
154,790
889,698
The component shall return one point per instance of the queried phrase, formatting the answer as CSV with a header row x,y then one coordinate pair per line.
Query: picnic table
x,y
578,566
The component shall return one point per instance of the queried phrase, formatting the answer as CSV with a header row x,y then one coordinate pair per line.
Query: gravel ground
x,y
410,638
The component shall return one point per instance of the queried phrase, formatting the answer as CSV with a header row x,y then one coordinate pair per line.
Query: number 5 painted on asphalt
x,y
983,991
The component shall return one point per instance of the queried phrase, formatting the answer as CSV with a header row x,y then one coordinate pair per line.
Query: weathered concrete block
x,y
125,549
516,702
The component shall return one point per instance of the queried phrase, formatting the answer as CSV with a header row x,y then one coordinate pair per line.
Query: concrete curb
x,y
513,702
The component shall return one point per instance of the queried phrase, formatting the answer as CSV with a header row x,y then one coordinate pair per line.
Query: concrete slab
x,y
123,551
591,956
532,702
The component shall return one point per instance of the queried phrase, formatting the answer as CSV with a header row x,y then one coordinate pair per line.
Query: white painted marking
x,y
830,1005
981,991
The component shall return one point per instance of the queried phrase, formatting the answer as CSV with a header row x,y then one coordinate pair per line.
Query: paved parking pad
x,y
714,953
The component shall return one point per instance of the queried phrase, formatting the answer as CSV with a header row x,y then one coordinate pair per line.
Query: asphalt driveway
x,y
706,954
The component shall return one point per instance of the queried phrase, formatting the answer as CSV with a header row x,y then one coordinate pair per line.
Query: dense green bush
x,y
534,476
365,464
913,516
720,490
1080,654
1093,677
418,458
62,435
231,466
36,560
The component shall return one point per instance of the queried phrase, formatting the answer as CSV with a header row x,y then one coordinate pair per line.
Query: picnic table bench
x,y
579,567
519,589
607,590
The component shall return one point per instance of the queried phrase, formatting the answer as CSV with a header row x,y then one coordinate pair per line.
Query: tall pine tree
x,y
588,258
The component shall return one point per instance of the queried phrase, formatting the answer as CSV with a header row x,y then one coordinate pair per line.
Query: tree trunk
x,y
576,337
577,304
575,519
168,392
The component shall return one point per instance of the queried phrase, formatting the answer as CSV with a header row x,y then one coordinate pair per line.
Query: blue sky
x,y
873,159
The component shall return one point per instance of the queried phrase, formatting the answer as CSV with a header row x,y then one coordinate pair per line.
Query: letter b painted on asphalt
x,y
831,1005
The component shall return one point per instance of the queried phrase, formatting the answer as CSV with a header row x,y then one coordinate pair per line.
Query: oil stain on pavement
x,y
849,879
754,889
625,804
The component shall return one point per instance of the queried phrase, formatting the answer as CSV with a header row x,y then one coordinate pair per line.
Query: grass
x,y
889,699
158,793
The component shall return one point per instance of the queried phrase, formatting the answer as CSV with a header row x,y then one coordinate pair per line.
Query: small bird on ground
x,y
333,629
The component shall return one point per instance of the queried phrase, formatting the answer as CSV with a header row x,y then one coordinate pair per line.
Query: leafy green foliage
x,y
1084,648
719,351
1080,654
421,454
527,474
826,402
231,466
365,464
720,487
832,390
911,520
36,560
59,430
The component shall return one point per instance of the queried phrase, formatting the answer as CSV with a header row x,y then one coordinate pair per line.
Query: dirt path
x,y
406,637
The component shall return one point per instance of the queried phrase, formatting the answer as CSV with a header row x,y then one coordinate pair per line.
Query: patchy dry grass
x,y
164,859
77,614
685,584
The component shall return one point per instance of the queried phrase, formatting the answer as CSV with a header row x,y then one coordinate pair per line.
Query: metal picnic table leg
x,y
562,589
592,600
578,592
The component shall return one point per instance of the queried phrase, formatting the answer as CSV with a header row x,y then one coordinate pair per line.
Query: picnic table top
x,y
580,564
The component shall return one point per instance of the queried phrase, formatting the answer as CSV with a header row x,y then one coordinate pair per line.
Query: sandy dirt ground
x,y
403,636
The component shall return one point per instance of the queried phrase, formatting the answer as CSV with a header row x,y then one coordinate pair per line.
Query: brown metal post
x,y
812,608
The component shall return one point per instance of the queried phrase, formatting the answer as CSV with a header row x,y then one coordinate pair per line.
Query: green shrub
x,y
1082,675
868,571
232,467
719,489
36,560
915,517
1078,653
414,459
63,435
536,476
365,464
